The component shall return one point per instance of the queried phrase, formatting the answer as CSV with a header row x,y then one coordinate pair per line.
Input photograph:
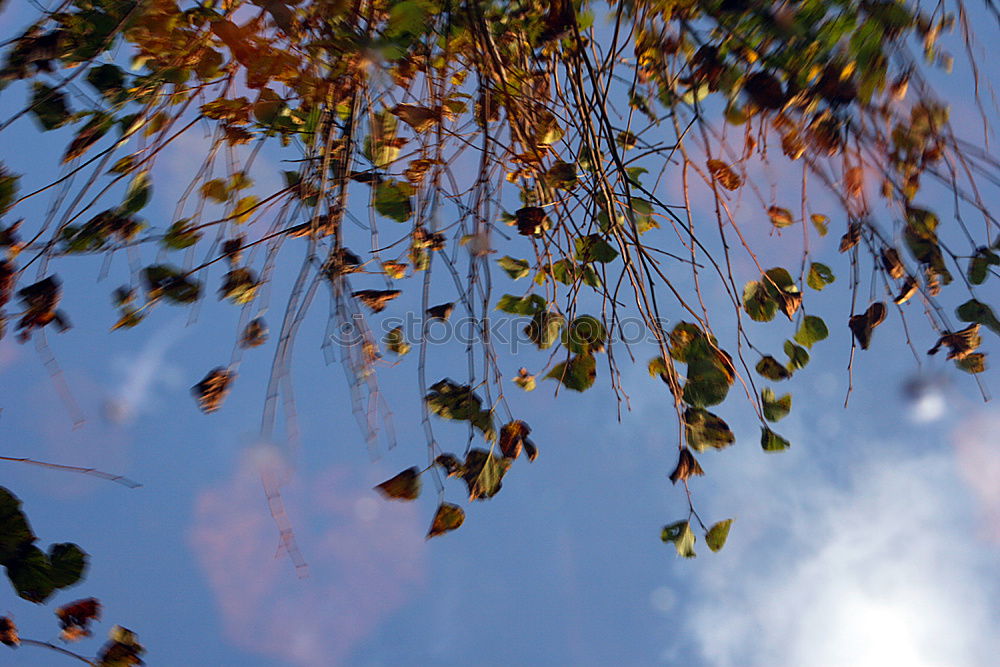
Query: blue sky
x,y
872,541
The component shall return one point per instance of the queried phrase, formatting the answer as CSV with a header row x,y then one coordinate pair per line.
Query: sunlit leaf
x,y
704,430
771,441
578,373
716,536
682,536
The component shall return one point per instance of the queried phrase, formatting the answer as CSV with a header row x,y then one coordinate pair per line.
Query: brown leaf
x,y
724,174
765,91
530,220
448,517
862,326
908,290
851,238
854,179
212,390
687,466
451,464
40,300
254,334
420,119
512,438
789,302
892,264
404,486
376,299
961,343
441,312
780,217
75,618
8,632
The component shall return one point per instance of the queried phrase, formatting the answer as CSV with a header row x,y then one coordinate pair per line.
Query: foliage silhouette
x,y
608,159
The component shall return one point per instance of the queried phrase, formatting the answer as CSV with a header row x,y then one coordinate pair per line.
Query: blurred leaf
x,y
213,389
68,563
687,466
775,409
717,534
770,368
448,517
703,430
138,193
396,342
49,106
515,268
798,357
978,312
682,536
30,574
544,328
863,325
979,265
594,248
771,441
780,217
578,373
812,330
404,486
484,473
376,300
392,199
14,529
526,305
585,335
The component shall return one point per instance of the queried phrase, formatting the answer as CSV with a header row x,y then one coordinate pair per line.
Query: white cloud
x,y
882,571
141,373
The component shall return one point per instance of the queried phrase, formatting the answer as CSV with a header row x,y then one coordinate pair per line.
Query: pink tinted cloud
x,y
977,447
365,555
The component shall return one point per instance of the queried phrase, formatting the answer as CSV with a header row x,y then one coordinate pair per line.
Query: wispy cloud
x,y
881,571
140,375
366,558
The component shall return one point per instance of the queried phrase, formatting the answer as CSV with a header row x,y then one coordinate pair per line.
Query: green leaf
x,y
49,107
585,335
137,195
978,312
392,199
594,248
449,400
717,534
15,532
515,268
707,382
521,305
758,303
771,441
682,536
108,79
979,265
703,430
798,357
769,367
180,235
68,563
31,574
775,409
561,175
812,330
578,373
544,328
8,189
484,473
819,276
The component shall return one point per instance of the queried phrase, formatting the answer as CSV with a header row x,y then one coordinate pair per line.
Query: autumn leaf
x,y
213,389
254,334
447,518
404,486
483,473
687,466
440,312
376,300
75,618
863,325
724,174
513,437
